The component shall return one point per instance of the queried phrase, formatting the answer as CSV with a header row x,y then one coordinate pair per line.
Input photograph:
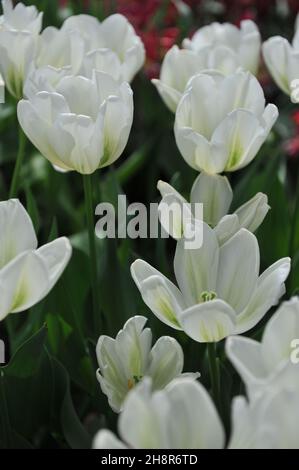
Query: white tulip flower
x,y
127,359
215,47
19,28
27,274
113,45
221,121
182,416
83,125
20,18
261,364
220,290
271,421
215,194
241,46
282,60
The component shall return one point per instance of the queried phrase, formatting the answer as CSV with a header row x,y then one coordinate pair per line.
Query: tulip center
x,y
132,382
206,296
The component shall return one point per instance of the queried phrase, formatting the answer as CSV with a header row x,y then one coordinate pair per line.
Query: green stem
x,y
92,246
293,234
14,188
214,372
5,421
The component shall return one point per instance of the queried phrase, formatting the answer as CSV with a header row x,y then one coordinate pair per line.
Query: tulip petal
x,y
39,132
56,256
215,193
199,424
166,361
239,262
196,269
17,234
227,227
276,52
174,212
252,213
270,288
170,96
23,282
279,333
209,322
105,439
246,356
161,295
165,302
140,423
111,374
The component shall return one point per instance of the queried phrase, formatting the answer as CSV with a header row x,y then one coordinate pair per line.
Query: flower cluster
x,y
75,105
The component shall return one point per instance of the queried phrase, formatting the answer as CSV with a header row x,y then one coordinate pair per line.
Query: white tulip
x,y
282,60
261,364
220,290
221,122
27,274
179,66
215,194
83,125
19,28
20,18
127,359
239,45
113,43
182,416
271,421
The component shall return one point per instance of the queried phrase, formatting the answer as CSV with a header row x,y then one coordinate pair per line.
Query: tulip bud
x,y
221,122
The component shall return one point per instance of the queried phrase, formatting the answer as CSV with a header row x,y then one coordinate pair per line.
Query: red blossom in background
x,y
291,146
155,21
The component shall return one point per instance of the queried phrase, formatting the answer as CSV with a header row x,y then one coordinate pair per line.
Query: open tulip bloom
x,y
127,359
220,47
81,45
83,125
215,194
27,274
220,290
265,364
181,416
221,121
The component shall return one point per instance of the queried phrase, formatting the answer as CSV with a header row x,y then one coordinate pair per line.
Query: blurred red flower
x,y
291,146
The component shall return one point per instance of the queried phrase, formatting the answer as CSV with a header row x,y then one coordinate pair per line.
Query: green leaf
x,y
73,430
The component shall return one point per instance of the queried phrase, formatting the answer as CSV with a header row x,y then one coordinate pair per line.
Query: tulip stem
x,y
92,246
214,372
14,188
293,233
